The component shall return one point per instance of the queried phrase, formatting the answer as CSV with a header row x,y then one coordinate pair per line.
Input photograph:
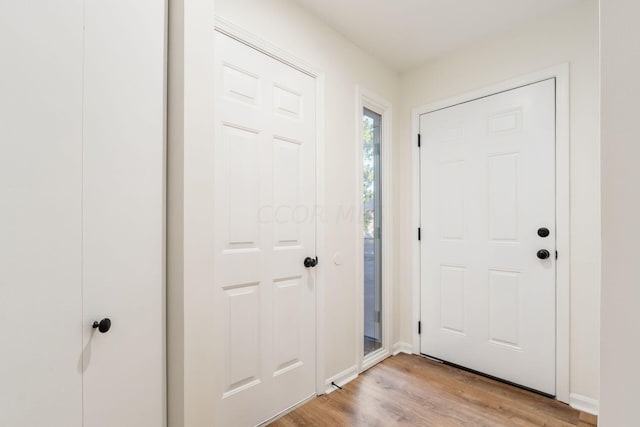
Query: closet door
x,y
40,211
81,214
123,213
265,189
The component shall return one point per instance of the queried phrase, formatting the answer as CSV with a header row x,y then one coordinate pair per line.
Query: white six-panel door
x,y
487,186
265,180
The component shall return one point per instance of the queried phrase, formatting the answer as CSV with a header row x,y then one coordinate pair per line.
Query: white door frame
x,y
374,102
243,36
561,74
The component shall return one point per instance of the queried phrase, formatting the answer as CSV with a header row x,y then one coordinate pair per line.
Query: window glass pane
x,y
371,192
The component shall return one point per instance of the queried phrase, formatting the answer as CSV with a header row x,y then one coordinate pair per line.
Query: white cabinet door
x,y
122,207
265,184
40,210
488,186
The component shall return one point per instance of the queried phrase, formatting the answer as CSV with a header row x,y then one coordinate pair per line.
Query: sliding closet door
x,y
40,211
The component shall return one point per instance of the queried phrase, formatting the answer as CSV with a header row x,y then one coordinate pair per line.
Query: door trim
x,y
258,43
561,74
376,103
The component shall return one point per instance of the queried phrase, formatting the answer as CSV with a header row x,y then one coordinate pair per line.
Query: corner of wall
x,y
341,378
401,347
584,403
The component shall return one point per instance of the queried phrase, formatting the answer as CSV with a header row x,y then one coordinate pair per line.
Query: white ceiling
x,y
406,33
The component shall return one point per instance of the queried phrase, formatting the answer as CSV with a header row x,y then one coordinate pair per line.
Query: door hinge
x,y
418,140
419,234
556,254
378,316
419,327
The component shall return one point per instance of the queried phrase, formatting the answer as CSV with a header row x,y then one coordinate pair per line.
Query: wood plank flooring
x,y
409,390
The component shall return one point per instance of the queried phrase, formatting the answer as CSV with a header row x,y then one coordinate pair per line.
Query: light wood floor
x,y
412,391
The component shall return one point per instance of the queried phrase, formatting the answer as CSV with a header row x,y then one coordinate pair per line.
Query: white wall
x,y
191,384
620,351
570,36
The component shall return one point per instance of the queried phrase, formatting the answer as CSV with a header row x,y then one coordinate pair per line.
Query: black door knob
x,y
310,262
543,232
543,254
103,326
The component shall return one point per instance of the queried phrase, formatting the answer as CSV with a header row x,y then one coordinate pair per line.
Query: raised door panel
x,y
452,299
451,200
242,348
504,308
288,211
242,167
288,325
504,212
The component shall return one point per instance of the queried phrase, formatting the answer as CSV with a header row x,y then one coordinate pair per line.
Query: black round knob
x,y
543,232
310,262
103,326
543,254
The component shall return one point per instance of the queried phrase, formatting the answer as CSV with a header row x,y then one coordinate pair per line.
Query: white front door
x,y
487,264
81,215
265,181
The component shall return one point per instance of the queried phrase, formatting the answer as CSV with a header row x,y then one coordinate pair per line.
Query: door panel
x,y
123,204
488,302
40,211
264,227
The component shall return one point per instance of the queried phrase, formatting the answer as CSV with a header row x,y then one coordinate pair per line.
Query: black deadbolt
x,y
543,254
103,326
310,262
543,232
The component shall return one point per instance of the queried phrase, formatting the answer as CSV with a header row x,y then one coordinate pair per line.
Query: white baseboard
x,y
584,403
401,347
341,378
374,358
